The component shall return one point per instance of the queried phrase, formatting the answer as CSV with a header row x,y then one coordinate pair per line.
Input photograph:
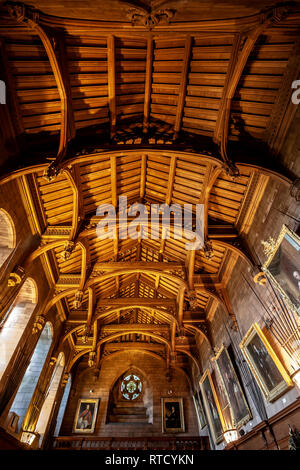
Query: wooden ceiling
x,y
124,83
126,104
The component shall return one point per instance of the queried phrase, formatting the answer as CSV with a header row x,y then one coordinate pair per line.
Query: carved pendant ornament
x,y
149,19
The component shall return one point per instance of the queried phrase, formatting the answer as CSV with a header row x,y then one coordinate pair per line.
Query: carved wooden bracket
x,y
78,300
16,276
91,360
38,324
68,250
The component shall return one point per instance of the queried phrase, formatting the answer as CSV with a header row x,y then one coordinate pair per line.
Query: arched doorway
x,y
7,236
130,399
14,323
32,374
46,411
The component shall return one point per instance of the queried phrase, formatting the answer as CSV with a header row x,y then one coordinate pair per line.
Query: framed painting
x,y
266,367
212,407
283,266
199,410
86,415
239,410
172,415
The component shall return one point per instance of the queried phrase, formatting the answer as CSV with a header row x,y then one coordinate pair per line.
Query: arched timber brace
x,y
23,14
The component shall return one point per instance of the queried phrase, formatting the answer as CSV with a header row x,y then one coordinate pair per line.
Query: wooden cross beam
x,y
142,265
128,301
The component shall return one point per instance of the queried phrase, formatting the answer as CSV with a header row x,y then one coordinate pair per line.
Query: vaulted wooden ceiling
x,y
128,105
129,83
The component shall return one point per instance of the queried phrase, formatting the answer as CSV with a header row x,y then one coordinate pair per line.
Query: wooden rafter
x,y
148,84
237,65
28,16
111,76
114,198
143,176
183,85
73,176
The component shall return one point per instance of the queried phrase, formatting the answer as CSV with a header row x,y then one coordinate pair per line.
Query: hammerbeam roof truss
x,y
145,267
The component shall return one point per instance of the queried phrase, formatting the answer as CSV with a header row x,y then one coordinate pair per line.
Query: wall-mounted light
x,y
230,435
28,437
296,378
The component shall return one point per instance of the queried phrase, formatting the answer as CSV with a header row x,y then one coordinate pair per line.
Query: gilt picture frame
x,y
265,365
283,266
212,407
239,409
172,415
86,415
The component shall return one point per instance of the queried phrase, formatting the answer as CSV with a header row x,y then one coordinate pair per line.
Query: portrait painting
x,y
239,410
212,407
172,415
283,266
199,410
86,414
265,365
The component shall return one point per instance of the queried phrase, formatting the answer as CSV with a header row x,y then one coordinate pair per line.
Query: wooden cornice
x,y
109,26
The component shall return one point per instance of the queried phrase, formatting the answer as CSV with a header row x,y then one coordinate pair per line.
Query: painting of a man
x,y
285,268
237,401
211,409
86,414
85,418
264,363
172,411
172,415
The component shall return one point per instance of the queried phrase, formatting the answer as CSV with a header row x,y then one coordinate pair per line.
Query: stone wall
x,y
276,208
113,367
